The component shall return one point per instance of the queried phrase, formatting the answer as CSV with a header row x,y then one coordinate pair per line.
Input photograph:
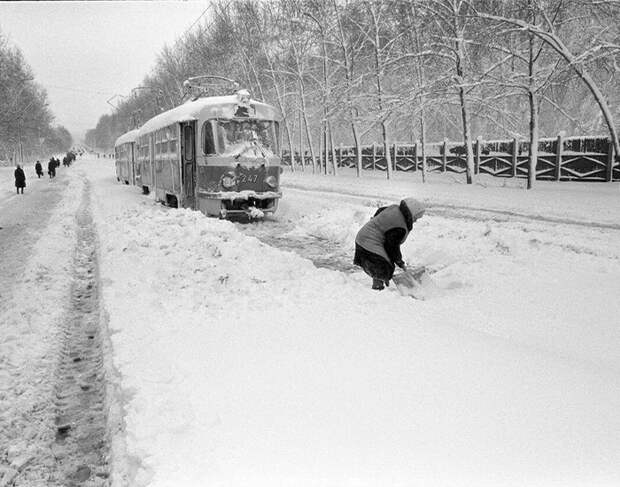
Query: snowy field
x,y
238,363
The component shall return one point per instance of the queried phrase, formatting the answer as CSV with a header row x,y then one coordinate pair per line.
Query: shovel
x,y
412,281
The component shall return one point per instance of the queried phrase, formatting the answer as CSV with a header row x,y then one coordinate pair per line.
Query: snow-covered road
x,y
47,418
241,363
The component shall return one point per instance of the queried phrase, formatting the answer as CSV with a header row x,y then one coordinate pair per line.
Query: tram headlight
x,y
228,181
271,181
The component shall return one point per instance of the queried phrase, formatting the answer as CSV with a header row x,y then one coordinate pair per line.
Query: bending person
x,y
377,244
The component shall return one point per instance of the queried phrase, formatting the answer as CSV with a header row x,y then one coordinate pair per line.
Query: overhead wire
x,y
69,88
196,21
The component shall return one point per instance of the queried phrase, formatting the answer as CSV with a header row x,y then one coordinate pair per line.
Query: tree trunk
x,y
301,143
533,159
423,137
386,149
333,149
308,134
460,55
378,81
348,71
421,80
358,150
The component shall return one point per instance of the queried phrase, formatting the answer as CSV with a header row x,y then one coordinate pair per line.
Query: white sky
x,y
85,52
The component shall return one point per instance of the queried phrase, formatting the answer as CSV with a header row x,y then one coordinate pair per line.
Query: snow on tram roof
x,y
208,107
130,136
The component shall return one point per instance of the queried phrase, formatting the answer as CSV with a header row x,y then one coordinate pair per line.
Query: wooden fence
x,y
559,159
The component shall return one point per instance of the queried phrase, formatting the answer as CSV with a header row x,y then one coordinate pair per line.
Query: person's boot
x,y
377,284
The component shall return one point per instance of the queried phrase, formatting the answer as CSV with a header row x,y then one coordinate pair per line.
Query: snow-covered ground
x,y
238,363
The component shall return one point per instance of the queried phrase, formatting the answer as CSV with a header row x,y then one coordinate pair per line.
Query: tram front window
x,y
247,138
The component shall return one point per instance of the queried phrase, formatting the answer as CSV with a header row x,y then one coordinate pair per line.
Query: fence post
x,y
558,157
478,153
416,151
374,155
515,153
444,158
610,161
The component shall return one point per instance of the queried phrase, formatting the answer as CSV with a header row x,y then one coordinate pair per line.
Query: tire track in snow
x,y
81,446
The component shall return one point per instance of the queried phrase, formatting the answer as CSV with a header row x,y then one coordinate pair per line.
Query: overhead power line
x,y
196,21
71,88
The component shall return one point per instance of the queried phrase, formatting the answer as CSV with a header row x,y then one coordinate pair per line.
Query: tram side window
x,y
188,142
208,144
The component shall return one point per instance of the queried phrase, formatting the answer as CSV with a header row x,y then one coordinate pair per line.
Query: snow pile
x,y
241,364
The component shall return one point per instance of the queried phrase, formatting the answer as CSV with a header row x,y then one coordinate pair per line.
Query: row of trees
x,y
26,129
401,70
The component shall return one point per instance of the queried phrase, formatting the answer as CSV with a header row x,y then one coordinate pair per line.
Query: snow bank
x,y
243,365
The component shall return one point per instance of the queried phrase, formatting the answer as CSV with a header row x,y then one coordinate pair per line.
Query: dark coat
x,y
38,168
20,178
377,244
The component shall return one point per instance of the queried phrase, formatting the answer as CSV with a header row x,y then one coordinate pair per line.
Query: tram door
x,y
188,163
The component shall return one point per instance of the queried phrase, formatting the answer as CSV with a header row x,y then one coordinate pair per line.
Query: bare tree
x,y
547,32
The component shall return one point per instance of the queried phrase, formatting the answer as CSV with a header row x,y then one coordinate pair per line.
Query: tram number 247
x,y
247,178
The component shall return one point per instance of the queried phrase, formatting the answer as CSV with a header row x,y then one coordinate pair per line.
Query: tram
x,y
216,154
124,157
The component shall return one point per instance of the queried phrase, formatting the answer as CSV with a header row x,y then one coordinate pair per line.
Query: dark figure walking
x,y
377,244
38,169
20,179
51,168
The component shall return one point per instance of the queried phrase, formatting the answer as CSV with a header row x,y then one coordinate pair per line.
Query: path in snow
x,y
322,252
81,446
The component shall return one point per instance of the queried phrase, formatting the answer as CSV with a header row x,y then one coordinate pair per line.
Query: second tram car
x,y
216,154
125,157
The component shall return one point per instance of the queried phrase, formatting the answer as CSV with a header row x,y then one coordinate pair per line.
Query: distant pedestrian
x,y
51,168
39,169
20,179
